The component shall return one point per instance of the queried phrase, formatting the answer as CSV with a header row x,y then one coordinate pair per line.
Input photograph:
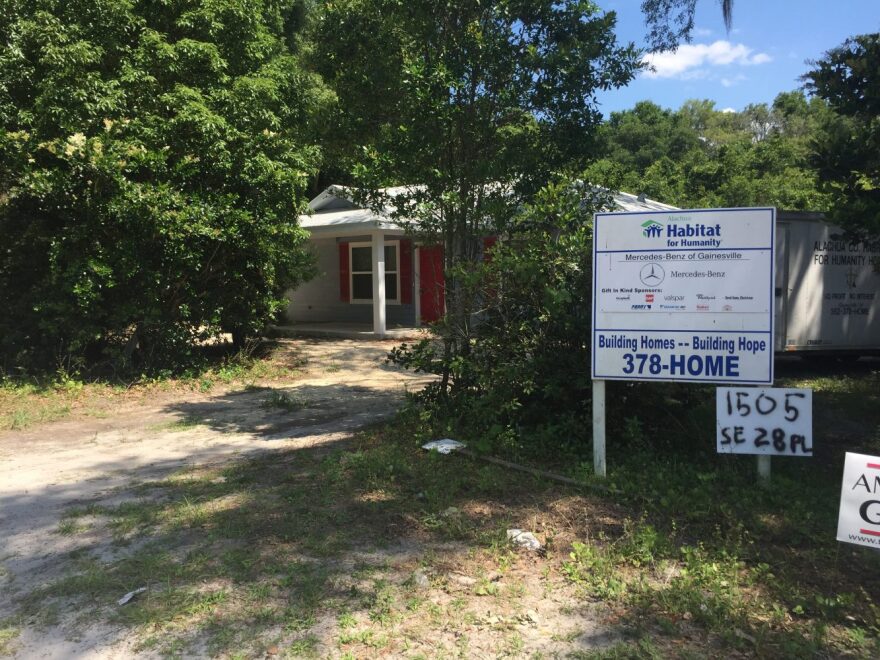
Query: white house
x,y
364,258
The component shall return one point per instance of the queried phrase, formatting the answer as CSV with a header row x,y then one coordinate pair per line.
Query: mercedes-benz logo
x,y
652,274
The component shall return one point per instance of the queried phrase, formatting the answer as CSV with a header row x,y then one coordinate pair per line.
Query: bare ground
x,y
49,468
454,606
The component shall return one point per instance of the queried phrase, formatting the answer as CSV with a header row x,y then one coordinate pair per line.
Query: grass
x,y
8,632
186,424
283,401
25,403
315,552
758,568
233,556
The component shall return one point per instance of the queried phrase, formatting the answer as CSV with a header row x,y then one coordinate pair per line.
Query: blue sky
x,y
764,54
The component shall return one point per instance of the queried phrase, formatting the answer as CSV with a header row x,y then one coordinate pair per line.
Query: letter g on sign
x,y
865,511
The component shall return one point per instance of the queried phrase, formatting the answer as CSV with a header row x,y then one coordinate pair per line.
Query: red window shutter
x,y
344,272
406,271
488,242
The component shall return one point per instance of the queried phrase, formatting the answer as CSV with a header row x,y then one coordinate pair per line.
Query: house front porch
x,y
345,331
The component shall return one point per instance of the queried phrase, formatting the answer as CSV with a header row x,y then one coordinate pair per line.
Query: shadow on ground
x,y
289,412
333,549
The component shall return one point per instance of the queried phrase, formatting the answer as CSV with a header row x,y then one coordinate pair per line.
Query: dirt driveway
x,y
343,386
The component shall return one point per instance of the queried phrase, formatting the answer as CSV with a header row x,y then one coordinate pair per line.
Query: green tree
x,y
698,156
528,374
637,138
153,158
476,103
847,149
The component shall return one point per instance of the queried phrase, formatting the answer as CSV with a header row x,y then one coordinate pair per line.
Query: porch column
x,y
378,284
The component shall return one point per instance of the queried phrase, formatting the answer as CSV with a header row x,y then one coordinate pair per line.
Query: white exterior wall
x,y
317,301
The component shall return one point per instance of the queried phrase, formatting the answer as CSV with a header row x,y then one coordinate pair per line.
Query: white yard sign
x,y
684,296
859,519
764,420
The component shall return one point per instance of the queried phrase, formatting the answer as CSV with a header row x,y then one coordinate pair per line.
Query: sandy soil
x,y
50,468
469,607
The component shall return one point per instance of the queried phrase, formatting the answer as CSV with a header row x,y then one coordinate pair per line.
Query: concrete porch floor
x,y
344,331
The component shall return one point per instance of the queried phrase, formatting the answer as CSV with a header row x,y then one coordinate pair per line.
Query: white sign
x,y
764,420
859,519
684,295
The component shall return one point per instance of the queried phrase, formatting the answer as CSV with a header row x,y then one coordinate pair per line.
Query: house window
x,y
361,260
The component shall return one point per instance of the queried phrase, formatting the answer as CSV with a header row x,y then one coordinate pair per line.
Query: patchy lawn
x,y
28,402
371,547
362,550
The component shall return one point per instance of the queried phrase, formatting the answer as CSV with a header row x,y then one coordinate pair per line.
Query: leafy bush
x,y
522,384
153,159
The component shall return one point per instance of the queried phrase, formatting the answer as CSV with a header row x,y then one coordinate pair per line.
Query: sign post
x,y
599,468
684,295
764,470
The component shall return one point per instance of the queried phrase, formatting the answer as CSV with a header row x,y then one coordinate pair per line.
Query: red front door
x,y
431,289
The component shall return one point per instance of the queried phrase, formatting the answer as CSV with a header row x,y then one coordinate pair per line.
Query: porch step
x,y
342,331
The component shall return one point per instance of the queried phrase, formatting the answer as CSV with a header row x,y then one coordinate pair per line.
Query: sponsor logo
x,y
673,298
672,307
651,229
652,274
701,296
641,306
622,297
649,297
728,308
702,308
689,229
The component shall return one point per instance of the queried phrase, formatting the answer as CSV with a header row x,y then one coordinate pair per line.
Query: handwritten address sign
x,y
764,420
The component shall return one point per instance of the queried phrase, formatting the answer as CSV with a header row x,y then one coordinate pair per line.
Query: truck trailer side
x,y
827,288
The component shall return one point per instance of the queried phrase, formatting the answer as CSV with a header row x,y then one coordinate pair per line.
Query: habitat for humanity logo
x,y
651,229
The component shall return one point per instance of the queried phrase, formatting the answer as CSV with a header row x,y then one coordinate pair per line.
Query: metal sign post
x,y
599,468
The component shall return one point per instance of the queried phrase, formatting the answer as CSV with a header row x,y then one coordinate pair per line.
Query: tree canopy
x,y
153,159
847,148
155,154
476,103
698,156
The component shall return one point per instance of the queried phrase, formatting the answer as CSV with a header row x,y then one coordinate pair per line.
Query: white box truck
x,y
827,289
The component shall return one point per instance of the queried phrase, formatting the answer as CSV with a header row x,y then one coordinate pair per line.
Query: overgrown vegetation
x,y
486,102
846,152
523,382
153,160
378,547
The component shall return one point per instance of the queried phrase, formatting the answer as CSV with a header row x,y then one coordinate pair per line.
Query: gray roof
x,y
333,211
628,202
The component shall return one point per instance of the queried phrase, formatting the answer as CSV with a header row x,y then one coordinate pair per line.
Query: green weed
x,y
70,527
8,632
283,401
186,424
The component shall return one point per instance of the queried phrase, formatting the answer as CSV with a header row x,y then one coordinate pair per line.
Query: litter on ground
x,y
525,539
444,446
